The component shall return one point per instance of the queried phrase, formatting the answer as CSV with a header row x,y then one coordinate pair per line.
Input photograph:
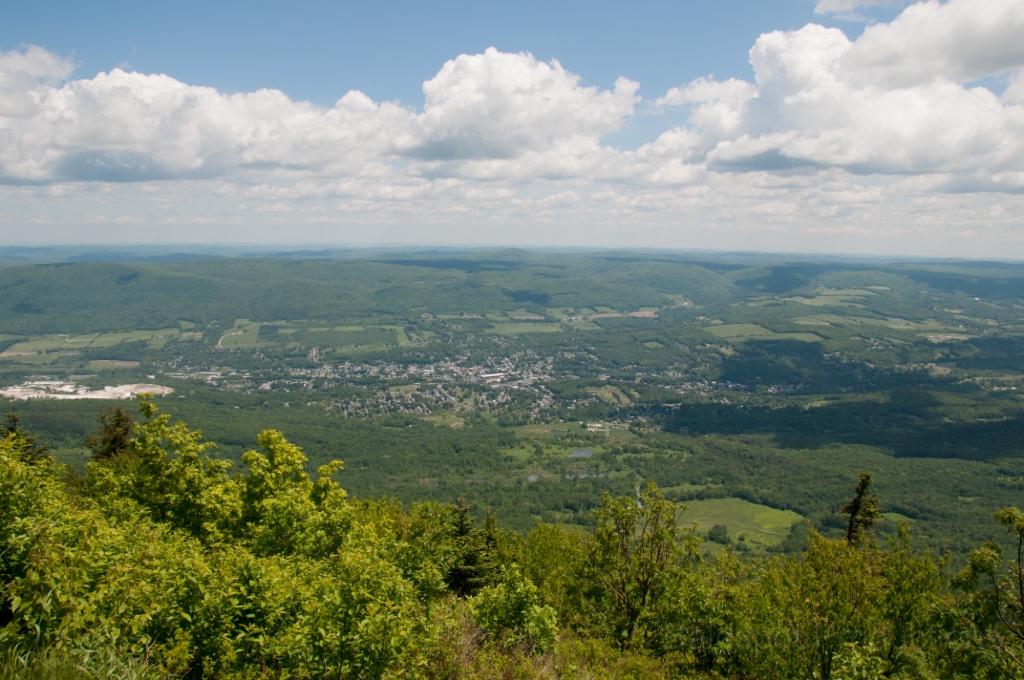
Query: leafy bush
x,y
719,534
511,611
161,564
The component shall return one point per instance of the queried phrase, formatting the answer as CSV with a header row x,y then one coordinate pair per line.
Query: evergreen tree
x,y
117,427
864,511
25,444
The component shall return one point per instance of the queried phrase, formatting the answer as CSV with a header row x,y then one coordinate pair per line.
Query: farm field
x,y
516,328
739,332
243,336
63,343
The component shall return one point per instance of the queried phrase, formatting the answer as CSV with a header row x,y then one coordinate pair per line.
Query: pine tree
x,y
25,444
115,435
864,511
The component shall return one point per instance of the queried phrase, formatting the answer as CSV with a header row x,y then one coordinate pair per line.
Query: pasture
x,y
761,525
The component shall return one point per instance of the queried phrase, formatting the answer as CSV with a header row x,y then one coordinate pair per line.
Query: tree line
x,y
161,562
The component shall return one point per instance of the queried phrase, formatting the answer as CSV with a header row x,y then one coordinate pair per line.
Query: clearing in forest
x,y
763,526
243,336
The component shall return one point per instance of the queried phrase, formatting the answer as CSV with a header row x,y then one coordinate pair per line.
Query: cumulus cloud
x,y
21,71
495,105
122,126
958,40
828,131
891,102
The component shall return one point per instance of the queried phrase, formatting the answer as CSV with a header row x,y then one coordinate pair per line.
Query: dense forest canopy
x,y
160,562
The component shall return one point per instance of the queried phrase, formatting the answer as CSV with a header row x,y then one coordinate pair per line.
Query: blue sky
x,y
317,51
727,125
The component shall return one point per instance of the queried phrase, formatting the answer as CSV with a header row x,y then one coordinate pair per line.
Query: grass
x,y
54,343
611,395
523,314
848,292
111,339
422,336
827,301
549,428
287,330
520,453
52,664
838,320
739,330
584,325
35,359
444,420
104,364
751,331
803,337
927,325
243,336
562,313
403,339
763,526
517,328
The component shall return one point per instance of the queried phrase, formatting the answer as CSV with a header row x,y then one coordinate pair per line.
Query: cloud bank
x,y
881,136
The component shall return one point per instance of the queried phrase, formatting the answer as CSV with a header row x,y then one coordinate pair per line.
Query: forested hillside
x,y
159,562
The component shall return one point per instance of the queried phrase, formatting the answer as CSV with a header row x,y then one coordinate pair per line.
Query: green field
x,y
760,525
830,300
243,336
63,343
739,330
749,331
838,320
524,315
517,328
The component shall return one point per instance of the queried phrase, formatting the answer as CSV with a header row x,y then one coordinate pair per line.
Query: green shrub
x,y
719,534
511,612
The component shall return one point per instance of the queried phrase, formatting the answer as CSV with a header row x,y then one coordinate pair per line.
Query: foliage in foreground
x,y
161,563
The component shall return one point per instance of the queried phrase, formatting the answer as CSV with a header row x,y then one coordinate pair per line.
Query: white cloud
x,y
819,102
832,138
21,71
131,126
957,40
496,105
19,68
1014,92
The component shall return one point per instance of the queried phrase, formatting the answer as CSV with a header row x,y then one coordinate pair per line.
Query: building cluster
x,y
68,389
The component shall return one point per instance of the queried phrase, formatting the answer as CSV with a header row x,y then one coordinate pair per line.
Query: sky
x,y
817,126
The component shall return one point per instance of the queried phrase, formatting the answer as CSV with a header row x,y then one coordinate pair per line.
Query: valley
x,y
726,380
